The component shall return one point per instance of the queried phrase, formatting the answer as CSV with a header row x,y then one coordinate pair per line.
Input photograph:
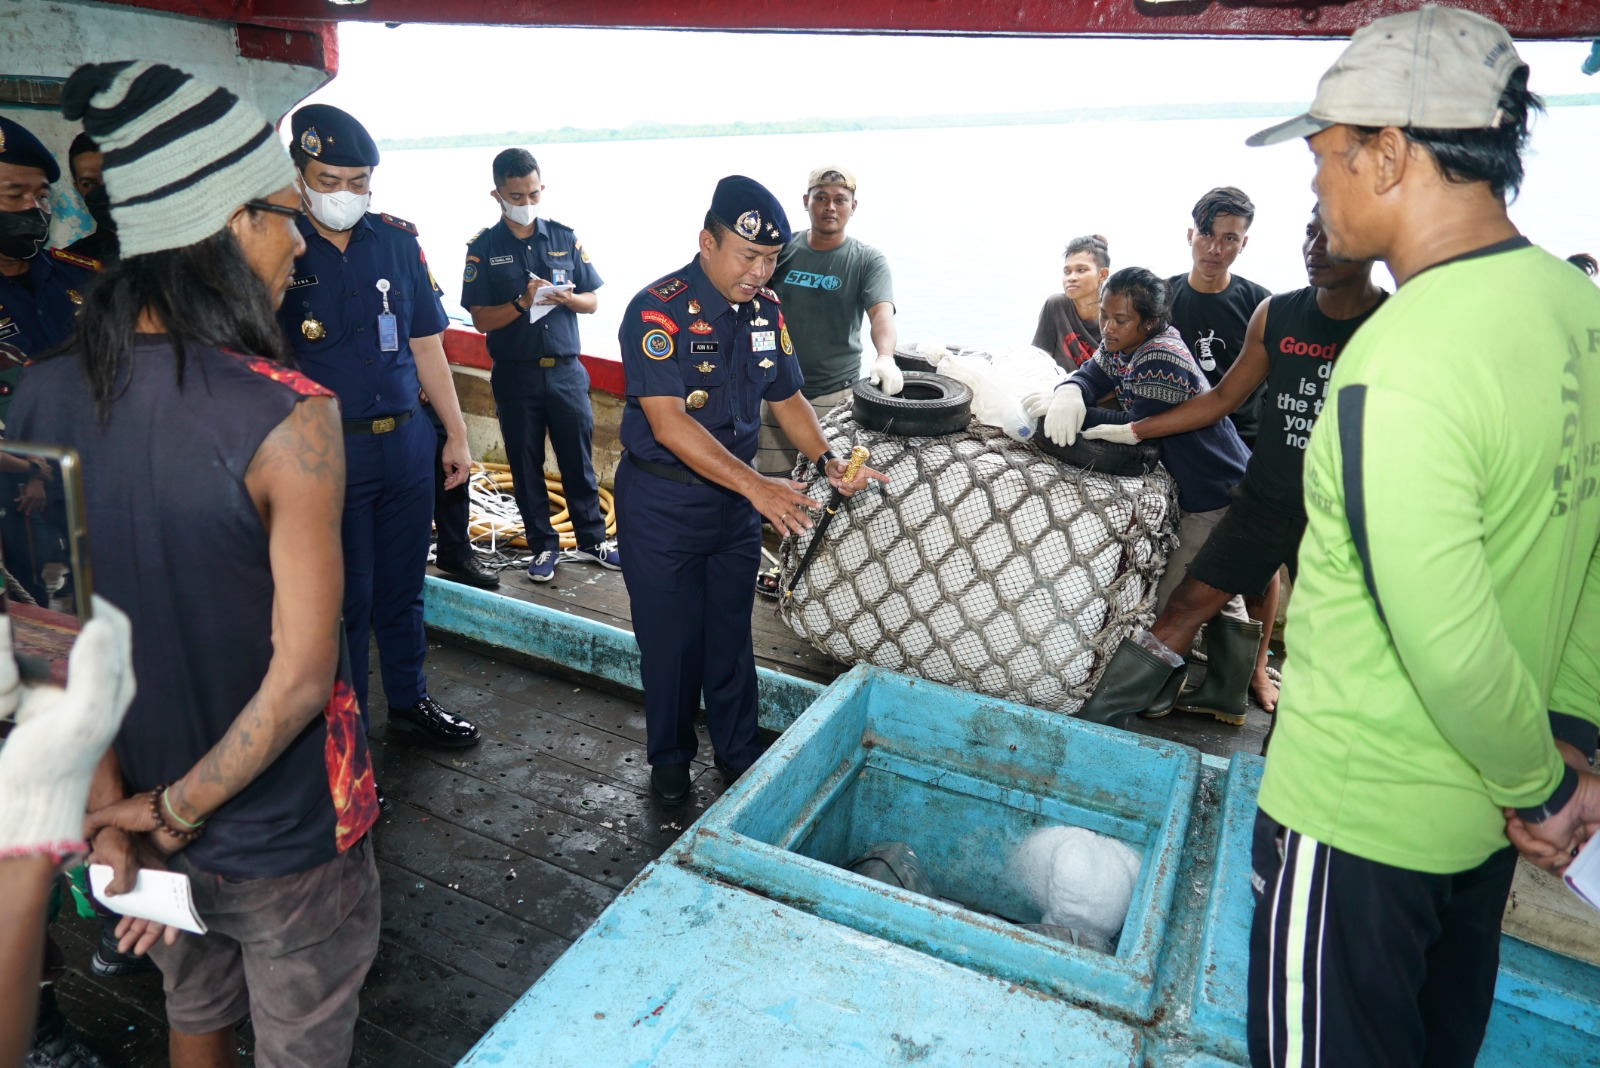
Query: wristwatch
x,y
516,302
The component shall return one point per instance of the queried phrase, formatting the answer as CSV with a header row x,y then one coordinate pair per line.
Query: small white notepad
x,y
1583,874
537,311
162,896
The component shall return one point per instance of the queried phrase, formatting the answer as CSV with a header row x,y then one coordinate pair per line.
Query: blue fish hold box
x,y
962,780
748,940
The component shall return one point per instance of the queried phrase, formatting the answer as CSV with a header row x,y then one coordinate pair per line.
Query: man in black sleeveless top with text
x,y
1290,347
213,484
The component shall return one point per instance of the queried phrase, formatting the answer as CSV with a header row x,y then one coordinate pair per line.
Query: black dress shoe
x,y
727,772
669,784
427,721
109,962
470,571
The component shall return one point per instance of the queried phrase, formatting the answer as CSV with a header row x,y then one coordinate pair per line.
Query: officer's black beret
x,y
20,148
749,209
334,137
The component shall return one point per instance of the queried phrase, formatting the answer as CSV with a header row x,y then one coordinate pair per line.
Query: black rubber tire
x,y
910,361
1105,457
928,406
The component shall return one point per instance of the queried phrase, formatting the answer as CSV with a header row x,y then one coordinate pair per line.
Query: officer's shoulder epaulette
x,y
400,224
770,295
477,235
667,289
87,262
554,224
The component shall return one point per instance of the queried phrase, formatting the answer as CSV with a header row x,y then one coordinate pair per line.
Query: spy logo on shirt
x,y
811,280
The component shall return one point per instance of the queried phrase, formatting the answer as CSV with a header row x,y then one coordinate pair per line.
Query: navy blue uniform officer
x,y
701,349
539,384
41,289
364,319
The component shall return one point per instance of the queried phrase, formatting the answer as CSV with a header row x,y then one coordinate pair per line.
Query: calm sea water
x,y
972,220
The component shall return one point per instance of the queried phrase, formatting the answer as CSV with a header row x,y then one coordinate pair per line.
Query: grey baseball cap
x,y
1436,68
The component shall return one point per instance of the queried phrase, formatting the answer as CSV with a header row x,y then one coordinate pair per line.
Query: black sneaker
x,y
56,1043
428,722
669,784
112,964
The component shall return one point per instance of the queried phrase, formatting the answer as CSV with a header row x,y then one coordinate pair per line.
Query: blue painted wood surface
x,y
746,936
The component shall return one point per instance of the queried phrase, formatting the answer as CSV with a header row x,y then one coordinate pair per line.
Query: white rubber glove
x,y
47,762
1121,433
887,376
1064,418
1036,404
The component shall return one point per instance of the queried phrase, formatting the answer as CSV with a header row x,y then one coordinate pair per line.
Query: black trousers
x,y
1358,963
450,511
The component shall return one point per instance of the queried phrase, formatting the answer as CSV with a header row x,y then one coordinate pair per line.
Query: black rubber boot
x,y
1135,680
1231,649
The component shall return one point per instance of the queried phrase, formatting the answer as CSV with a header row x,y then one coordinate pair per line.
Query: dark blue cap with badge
x,y
20,148
749,209
329,135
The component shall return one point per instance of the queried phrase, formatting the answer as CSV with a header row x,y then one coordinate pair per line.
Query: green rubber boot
x,y
1231,649
1135,680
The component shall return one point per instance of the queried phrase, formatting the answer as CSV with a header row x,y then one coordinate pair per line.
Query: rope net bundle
x,y
494,524
984,564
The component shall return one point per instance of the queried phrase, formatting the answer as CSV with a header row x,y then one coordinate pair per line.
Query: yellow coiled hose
x,y
492,514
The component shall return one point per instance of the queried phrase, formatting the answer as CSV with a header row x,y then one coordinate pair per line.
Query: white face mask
x,y
338,211
521,214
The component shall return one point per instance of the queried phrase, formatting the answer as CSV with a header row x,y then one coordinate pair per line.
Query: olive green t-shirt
x,y
1449,590
825,295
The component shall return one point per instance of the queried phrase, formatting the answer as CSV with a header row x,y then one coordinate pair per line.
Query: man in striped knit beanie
x,y
241,762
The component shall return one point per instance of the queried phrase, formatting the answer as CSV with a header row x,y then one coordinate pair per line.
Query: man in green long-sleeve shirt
x,y
1445,631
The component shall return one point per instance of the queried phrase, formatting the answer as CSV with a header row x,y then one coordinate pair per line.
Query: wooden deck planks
x,y
494,858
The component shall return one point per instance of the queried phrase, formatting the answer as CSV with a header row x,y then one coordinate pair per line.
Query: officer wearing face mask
x,y
538,382
41,289
363,316
87,164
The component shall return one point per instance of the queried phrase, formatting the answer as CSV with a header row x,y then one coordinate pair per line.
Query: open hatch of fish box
x,y
962,779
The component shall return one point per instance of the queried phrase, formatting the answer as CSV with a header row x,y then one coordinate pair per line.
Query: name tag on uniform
x,y
301,283
699,347
11,329
495,261
388,333
763,340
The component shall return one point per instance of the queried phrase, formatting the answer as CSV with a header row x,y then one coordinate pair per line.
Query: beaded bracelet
x,y
156,804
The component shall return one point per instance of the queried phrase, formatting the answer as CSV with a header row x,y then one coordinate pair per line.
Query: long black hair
x,y
202,294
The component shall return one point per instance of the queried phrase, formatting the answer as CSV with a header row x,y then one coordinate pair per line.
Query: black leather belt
x,y
378,426
667,471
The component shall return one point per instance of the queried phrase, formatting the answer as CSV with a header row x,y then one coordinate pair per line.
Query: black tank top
x,y
178,545
1302,344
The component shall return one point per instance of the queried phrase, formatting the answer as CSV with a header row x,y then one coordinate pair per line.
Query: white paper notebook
x,y
162,896
537,311
1583,874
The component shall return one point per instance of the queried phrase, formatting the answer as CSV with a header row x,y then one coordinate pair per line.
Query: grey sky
x,y
428,80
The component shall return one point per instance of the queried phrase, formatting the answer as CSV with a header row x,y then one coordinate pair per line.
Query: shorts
x,y
775,454
1249,544
1194,532
289,952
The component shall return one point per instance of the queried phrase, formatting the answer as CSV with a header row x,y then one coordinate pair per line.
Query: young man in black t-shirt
x,y
1289,349
1211,306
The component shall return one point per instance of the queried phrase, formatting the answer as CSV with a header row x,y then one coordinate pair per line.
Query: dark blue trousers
x,y
388,502
532,400
689,559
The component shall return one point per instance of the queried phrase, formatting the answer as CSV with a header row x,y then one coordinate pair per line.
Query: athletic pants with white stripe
x,y
1356,964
